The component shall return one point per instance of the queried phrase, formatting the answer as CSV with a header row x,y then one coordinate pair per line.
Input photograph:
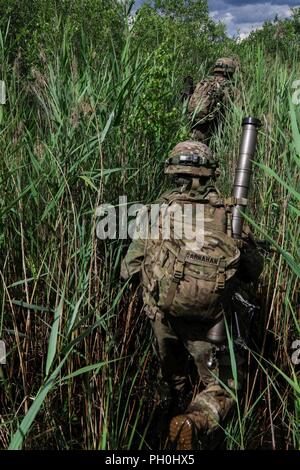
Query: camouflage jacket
x,y
250,265
209,97
131,264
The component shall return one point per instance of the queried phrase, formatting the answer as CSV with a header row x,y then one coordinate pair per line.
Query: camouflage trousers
x,y
177,340
202,132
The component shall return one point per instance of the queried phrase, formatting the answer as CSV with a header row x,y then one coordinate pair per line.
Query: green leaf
x,y
53,336
274,175
18,438
89,182
74,315
36,308
107,127
84,370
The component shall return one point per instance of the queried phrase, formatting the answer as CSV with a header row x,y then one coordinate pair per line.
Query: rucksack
x,y
184,279
207,99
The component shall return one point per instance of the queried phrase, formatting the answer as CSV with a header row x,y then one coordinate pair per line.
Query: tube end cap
x,y
251,120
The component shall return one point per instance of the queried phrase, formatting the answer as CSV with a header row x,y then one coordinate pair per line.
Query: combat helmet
x,y
191,158
226,65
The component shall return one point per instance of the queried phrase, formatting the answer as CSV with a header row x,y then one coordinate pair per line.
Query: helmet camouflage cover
x,y
191,158
226,65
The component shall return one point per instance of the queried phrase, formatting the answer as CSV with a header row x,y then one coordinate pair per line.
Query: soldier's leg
x,y
198,133
201,132
211,406
185,428
205,359
172,354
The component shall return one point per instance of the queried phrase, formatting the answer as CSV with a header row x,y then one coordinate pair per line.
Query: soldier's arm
x,y
132,262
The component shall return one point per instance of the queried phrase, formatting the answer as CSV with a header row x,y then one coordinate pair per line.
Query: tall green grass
x,y
271,407
81,371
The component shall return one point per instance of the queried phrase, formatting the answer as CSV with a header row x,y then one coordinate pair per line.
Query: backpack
x,y
184,277
206,100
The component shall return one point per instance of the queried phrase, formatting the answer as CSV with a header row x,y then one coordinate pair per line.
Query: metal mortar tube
x,y
243,171
217,334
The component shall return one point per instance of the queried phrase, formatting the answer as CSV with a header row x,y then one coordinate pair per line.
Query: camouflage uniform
x,y
209,99
180,337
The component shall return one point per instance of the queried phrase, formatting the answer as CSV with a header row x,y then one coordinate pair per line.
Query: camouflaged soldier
x,y
210,97
188,282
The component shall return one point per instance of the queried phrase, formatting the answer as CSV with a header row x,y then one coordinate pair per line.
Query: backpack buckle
x,y
178,270
221,277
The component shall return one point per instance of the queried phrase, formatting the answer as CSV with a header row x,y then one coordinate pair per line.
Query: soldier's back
x,y
207,97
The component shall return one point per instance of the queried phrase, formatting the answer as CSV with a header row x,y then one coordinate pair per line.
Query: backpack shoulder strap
x,y
177,276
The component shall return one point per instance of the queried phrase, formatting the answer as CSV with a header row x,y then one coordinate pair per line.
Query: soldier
x,y
209,98
188,282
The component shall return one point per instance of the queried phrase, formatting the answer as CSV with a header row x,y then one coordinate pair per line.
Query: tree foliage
x,y
279,36
35,25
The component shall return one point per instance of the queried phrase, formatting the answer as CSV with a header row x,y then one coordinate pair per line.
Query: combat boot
x,y
185,429
182,433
